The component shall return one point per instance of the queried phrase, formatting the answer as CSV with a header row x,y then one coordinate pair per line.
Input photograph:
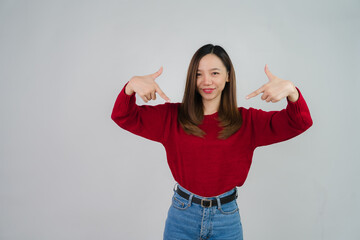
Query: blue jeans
x,y
190,221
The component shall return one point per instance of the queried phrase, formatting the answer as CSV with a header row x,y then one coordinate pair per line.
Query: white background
x,y
67,171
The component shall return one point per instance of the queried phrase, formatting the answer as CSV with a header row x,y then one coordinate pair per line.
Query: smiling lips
x,y
208,90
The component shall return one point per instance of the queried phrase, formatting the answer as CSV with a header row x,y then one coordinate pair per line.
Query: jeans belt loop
x,y
175,187
190,198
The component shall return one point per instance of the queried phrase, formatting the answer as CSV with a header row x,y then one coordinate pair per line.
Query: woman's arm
x,y
146,121
276,126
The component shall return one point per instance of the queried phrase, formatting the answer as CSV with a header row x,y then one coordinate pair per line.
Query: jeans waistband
x,y
198,196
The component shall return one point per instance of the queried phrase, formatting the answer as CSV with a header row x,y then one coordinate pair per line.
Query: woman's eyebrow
x,y
211,69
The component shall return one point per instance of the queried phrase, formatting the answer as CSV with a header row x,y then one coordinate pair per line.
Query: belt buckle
x,y
204,199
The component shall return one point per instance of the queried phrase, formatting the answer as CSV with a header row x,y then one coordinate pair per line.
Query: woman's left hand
x,y
276,89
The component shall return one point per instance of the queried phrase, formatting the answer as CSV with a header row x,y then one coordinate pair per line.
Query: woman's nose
x,y
207,79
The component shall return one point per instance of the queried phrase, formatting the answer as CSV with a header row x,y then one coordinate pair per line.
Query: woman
x,y
209,140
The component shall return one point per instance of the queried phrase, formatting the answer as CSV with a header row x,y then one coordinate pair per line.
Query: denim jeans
x,y
189,221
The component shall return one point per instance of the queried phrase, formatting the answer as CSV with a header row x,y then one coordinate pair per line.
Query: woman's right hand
x,y
146,87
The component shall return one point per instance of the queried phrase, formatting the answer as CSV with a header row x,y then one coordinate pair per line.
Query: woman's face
x,y
211,78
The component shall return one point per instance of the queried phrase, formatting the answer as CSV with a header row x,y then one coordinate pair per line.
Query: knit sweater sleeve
x,y
146,121
277,126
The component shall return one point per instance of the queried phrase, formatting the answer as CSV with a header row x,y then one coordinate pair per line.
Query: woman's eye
x,y
215,73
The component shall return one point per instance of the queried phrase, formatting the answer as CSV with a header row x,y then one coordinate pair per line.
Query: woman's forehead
x,y
210,62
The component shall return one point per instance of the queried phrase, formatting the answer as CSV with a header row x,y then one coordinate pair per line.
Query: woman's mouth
x,y
208,90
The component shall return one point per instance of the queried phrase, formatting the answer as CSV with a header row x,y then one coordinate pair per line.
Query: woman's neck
x,y
210,107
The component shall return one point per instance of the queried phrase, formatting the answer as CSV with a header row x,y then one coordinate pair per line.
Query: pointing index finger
x,y
255,93
162,94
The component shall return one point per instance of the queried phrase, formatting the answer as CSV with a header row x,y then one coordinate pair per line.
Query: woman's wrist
x,y
294,94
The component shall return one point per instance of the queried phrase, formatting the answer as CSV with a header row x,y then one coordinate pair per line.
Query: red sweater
x,y
210,166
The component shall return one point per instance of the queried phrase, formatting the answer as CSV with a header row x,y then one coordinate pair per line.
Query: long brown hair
x,y
191,111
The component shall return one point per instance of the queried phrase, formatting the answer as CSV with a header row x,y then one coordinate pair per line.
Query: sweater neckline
x,y
211,115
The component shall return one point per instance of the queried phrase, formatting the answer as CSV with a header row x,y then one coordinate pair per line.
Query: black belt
x,y
204,202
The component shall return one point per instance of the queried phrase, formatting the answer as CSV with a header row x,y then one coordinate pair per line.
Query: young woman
x,y
209,140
